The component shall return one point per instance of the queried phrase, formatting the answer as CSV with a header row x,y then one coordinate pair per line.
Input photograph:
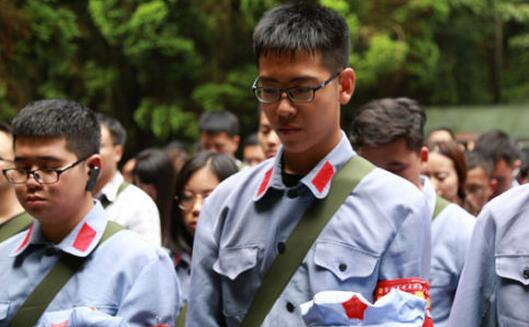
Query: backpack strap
x,y
67,265
315,218
440,205
15,225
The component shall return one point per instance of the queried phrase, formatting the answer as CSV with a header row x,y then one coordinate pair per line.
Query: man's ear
x,y
347,80
423,155
118,153
493,185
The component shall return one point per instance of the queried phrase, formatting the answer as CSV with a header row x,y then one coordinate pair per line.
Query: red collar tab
x,y
323,177
25,241
84,238
264,183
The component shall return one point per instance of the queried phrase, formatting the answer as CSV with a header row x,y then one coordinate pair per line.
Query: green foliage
x,y
156,65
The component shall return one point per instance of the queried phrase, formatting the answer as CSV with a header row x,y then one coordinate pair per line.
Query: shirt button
x,y
292,193
290,307
281,248
526,273
342,267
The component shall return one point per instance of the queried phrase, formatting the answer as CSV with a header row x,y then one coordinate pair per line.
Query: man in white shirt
x,y
124,203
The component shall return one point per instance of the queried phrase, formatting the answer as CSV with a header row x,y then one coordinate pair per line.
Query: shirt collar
x,y
80,242
317,180
110,190
429,193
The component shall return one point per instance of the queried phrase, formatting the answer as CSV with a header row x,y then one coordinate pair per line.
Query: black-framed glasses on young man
x,y
187,200
42,176
296,94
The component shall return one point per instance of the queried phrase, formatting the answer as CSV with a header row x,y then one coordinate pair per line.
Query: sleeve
x,y
477,280
405,265
154,299
409,253
204,296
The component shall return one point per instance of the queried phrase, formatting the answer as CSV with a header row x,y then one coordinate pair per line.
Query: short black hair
x,y
251,140
222,166
383,121
496,145
474,159
116,129
445,129
6,128
291,28
213,122
62,119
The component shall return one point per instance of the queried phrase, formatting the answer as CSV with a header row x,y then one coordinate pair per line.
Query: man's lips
x,y
288,129
34,198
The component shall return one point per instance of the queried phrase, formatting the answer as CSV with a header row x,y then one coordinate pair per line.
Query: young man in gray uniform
x,y
390,133
378,238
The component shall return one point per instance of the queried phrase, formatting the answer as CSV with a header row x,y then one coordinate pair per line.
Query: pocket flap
x,y
234,261
515,267
344,261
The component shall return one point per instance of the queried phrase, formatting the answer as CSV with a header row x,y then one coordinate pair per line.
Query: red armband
x,y
416,286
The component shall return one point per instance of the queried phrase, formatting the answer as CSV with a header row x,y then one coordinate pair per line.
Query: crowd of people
x,y
194,234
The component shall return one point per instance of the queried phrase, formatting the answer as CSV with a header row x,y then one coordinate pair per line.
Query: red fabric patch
x,y
84,238
26,239
60,324
265,182
323,177
163,325
354,308
416,286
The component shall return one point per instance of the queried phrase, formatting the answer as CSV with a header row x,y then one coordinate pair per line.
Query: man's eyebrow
x,y
42,158
296,79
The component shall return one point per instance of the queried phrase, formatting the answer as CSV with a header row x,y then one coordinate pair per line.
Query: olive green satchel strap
x,y
181,319
15,225
440,205
67,265
315,218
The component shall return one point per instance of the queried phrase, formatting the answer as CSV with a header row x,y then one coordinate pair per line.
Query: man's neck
x,y
102,181
302,163
57,231
9,205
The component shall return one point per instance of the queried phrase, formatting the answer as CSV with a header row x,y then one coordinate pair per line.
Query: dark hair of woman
x,y
222,166
153,167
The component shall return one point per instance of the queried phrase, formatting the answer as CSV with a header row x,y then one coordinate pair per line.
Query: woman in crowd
x,y
155,175
446,169
199,176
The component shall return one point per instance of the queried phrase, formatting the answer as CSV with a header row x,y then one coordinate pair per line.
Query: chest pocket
x,y
346,263
512,288
237,268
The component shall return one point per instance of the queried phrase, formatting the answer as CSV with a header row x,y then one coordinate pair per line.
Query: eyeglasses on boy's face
x,y
42,176
297,94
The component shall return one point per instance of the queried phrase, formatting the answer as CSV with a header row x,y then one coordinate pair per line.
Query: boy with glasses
x,y
378,238
113,278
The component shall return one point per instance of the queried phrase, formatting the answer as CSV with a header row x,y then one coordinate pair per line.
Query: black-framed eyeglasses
x,y
297,94
42,176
